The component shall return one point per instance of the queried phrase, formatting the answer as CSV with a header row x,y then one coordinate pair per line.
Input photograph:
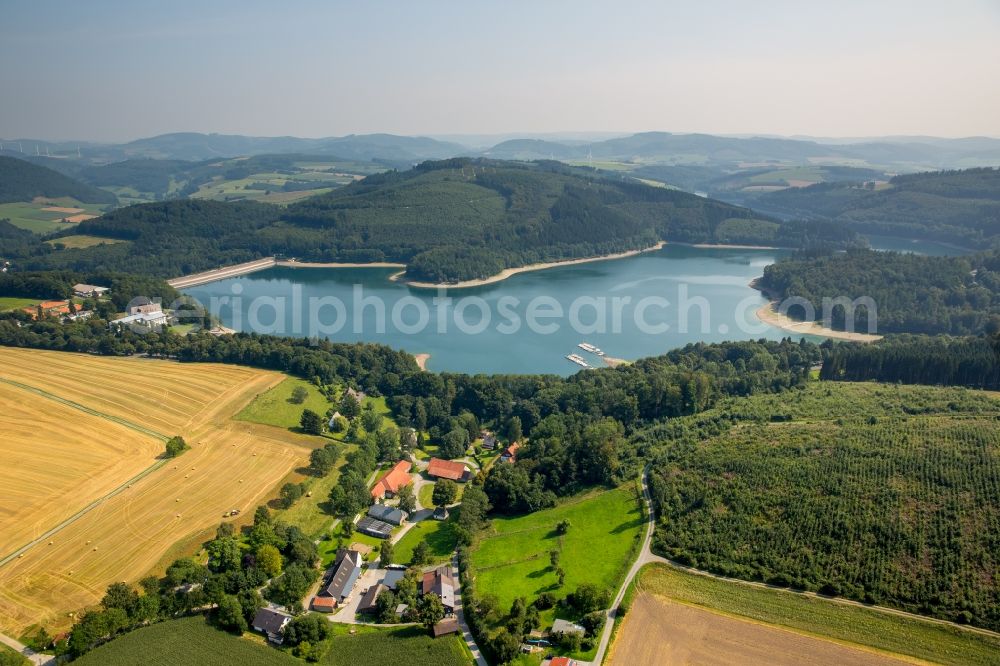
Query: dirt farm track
x,y
658,632
86,501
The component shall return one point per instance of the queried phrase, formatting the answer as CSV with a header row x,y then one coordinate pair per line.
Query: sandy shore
x,y
509,272
769,315
613,362
422,360
309,264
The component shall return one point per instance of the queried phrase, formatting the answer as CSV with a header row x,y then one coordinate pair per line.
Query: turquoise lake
x,y
638,306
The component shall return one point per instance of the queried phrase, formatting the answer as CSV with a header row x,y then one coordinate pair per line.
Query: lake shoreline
x,y
769,314
511,272
238,270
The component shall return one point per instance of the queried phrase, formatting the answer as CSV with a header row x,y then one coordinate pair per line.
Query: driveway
x,y
460,614
346,614
32,656
644,557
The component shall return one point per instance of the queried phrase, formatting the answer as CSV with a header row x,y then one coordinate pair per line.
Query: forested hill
x,y
913,294
448,220
23,181
960,207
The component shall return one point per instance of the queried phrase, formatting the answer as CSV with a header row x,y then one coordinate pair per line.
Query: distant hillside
x,y
449,220
23,181
241,178
194,146
705,149
960,207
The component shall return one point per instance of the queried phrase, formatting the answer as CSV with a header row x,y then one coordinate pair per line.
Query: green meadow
x,y
275,407
512,559
439,535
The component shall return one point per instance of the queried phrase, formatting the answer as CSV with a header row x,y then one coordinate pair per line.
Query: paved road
x,y
34,657
644,557
460,614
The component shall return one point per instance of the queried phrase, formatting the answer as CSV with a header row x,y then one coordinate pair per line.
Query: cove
x,y
685,295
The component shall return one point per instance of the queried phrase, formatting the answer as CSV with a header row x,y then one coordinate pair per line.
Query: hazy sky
x,y
109,70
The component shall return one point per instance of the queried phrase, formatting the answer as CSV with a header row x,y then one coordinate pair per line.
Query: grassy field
x,y
10,657
77,241
512,559
439,535
188,641
192,642
425,495
13,303
275,407
818,617
371,646
230,464
31,216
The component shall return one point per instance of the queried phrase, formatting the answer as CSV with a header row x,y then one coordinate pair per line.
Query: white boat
x,y
586,346
576,358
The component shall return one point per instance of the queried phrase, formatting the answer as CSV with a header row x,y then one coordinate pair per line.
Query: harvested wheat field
x,y
57,460
230,465
660,632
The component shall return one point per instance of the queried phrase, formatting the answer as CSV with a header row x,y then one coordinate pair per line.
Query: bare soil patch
x,y
660,632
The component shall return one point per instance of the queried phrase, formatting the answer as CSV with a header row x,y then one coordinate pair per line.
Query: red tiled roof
x,y
393,480
561,661
446,469
511,451
324,603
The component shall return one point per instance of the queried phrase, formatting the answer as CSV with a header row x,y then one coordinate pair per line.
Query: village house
x,y
566,627
346,570
58,309
447,469
89,291
560,661
322,604
143,321
374,527
367,604
392,578
440,582
440,513
489,440
392,481
509,454
357,395
387,514
145,308
271,622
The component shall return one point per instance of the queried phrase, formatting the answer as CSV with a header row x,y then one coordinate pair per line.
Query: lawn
x,y
512,559
372,646
439,535
188,641
275,407
13,303
937,643
425,495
